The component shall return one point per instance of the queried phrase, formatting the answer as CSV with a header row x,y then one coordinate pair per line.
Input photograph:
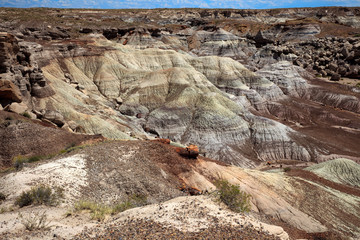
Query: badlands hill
x,y
242,96
304,205
260,92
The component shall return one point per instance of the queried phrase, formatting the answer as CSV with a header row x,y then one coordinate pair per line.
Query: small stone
x,y
18,108
119,100
335,77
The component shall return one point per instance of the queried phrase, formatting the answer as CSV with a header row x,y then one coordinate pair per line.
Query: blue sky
x,y
257,4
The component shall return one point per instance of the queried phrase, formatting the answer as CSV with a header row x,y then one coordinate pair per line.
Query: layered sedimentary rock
x,y
175,95
224,80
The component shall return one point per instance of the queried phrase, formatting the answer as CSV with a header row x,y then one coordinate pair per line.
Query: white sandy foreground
x,y
68,173
188,214
185,213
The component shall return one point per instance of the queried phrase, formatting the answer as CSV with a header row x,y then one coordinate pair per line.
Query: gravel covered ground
x,y
148,229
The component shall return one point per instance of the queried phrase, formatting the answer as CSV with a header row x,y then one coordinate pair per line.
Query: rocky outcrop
x,y
18,108
8,51
18,67
329,57
9,91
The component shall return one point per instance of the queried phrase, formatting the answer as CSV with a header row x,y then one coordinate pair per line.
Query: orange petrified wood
x,y
192,151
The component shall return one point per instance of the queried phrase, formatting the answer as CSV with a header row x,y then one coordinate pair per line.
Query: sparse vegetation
x,y
19,161
232,196
40,195
34,159
287,169
5,124
9,118
71,148
2,197
35,221
120,207
357,85
7,170
26,114
99,211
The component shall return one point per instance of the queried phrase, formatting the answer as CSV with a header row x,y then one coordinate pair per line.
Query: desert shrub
x,y
40,195
25,199
99,211
19,161
9,118
35,221
357,85
26,114
137,200
287,169
232,196
72,147
5,124
123,206
34,159
2,197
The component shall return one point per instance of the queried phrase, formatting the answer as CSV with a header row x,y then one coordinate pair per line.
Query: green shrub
x,y
40,195
2,197
232,196
25,199
120,207
19,161
71,148
26,114
137,200
34,159
287,169
99,211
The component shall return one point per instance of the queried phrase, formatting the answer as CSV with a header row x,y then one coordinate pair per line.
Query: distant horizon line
x,y
184,8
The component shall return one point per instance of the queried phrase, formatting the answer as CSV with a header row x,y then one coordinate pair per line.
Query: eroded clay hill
x,y
239,84
153,81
